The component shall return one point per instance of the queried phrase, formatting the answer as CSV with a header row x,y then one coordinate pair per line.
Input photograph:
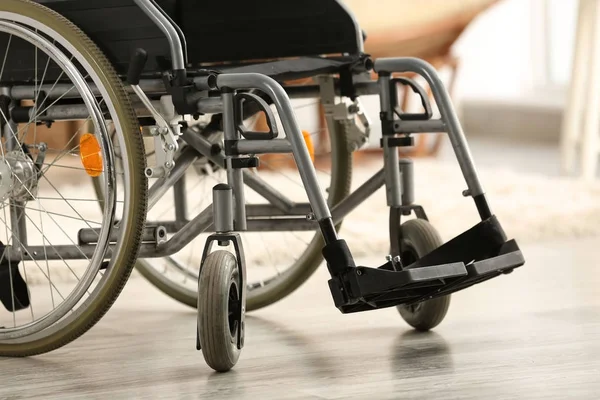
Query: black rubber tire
x,y
217,337
419,238
124,260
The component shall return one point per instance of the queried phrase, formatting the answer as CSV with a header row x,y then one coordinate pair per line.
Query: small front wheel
x,y
419,238
219,310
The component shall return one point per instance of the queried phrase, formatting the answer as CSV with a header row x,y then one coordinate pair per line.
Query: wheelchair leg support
x,y
386,66
479,254
294,135
234,174
390,154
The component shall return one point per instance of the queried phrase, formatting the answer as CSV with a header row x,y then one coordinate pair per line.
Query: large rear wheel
x,y
54,288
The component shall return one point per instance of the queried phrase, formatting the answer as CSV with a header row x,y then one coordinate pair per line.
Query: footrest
x,y
364,288
508,258
479,254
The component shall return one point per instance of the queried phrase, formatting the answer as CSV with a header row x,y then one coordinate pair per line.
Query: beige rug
x,y
530,207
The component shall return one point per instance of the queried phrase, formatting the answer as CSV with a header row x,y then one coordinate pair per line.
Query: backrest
x,y
118,27
235,30
217,30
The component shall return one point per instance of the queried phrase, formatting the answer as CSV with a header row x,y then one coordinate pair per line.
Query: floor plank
x,y
533,334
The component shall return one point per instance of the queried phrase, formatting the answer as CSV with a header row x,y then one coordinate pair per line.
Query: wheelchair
x,y
129,139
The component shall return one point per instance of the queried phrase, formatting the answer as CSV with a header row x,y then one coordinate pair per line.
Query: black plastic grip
x,y
241,99
416,88
136,66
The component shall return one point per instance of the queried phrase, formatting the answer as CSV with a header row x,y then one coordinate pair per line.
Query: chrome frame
x,y
167,26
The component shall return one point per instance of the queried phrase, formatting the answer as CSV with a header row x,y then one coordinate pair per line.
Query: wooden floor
x,y
534,334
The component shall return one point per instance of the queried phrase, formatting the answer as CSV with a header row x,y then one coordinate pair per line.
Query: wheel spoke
x,y
46,253
73,199
65,152
5,56
66,201
42,209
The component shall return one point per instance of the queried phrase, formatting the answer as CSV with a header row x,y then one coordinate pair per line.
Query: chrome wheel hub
x,y
18,177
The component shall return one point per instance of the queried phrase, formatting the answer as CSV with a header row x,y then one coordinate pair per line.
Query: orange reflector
x,y
309,144
91,154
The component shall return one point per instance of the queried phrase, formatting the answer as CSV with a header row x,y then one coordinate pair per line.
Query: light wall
x,y
517,48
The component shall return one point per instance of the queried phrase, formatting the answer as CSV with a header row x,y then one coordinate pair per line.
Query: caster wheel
x,y
218,310
419,238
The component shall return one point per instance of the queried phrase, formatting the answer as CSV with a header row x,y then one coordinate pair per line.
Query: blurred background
x,y
508,66
524,76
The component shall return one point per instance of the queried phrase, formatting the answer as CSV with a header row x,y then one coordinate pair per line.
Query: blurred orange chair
x,y
424,29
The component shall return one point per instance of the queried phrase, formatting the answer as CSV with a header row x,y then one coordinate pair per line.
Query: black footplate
x,y
477,255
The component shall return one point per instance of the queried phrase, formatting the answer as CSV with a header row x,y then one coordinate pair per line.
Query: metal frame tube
x,y
393,190
281,225
65,90
179,240
267,210
166,26
408,185
234,175
70,112
201,223
444,103
180,199
9,132
90,235
292,130
223,208
263,147
208,105
430,126
170,226
157,87
18,222
343,208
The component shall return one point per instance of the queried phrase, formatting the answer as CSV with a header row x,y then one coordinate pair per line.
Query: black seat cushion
x,y
299,68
